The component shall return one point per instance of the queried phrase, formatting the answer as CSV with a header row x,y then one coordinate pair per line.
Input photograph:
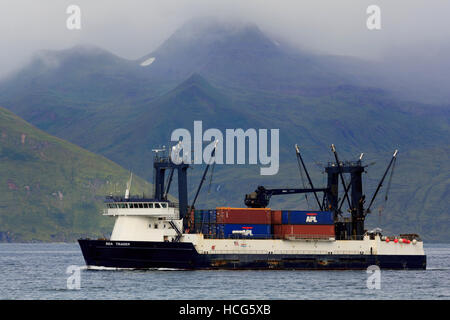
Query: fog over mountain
x,y
413,45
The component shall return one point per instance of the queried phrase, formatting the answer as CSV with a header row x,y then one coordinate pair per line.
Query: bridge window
x,y
150,205
140,205
157,205
145,205
164,205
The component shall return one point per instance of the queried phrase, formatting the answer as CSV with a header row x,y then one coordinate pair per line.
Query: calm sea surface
x,y
38,271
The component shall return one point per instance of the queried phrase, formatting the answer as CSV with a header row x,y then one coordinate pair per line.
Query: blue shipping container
x,y
211,216
247,231
209,229
205,221
307,217
205,216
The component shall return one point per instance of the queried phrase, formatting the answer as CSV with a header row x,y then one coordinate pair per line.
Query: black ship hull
x,y
178,255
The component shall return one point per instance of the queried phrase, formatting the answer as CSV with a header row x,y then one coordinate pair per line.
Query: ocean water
x,y
39,271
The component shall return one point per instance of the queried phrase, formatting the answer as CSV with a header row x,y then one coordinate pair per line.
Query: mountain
x,y
239,56
61,87
232,76
52,190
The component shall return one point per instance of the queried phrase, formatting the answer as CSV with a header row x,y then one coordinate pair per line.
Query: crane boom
x,y
394,157
261,197
299,157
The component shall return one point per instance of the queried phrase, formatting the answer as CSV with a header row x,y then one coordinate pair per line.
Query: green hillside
x,y
52,190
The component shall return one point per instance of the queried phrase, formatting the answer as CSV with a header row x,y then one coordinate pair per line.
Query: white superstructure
x,y
143,220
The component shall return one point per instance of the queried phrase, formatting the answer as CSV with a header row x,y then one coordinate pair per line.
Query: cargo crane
x,y
352,228
261,197
346,228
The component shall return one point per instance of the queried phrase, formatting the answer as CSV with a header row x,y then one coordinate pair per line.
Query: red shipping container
x,y
276,217
303,231
243,215
277,231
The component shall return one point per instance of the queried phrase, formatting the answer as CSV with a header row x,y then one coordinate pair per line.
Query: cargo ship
x,y
159,233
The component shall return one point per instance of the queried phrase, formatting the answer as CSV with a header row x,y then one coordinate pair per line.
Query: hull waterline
x,y
180,255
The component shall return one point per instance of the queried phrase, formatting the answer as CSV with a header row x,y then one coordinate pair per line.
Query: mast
x,y
355,226
160,164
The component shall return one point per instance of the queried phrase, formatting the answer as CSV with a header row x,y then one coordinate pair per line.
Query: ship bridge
x,y
135,206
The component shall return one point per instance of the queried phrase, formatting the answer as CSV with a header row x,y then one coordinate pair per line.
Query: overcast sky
x,y
134,28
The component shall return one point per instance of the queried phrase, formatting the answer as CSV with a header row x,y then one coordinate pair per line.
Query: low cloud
x,y
134,28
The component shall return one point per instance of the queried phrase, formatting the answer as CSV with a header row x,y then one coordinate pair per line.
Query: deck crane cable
x,y
303,181
300,159
209,190
324,198
338,163
211,177
169,183
388,188
346,187
212,158
393,159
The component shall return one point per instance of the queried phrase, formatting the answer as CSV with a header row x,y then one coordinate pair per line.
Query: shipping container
x,y
243,215
205,221
255,231
209,230
206,216
276,217
284,231
307,217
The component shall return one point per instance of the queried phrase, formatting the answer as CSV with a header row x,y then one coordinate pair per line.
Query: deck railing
x,y
318,237
305,252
